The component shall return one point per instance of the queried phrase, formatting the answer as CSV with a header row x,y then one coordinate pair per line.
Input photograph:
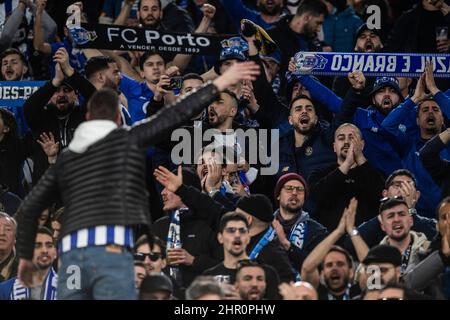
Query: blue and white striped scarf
x,y
19,292
268,237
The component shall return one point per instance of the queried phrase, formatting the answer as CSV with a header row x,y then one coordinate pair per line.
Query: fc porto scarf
x,y
371,64
20,292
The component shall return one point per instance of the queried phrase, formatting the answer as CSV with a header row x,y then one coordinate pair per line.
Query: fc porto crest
x,y
307,61
82,36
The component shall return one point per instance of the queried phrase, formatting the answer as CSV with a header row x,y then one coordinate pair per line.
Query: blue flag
x,y
13,95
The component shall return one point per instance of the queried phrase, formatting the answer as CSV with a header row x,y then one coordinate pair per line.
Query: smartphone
x,y
175,83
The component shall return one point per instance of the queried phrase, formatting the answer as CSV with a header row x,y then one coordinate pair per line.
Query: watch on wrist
x,y
213,192
354,233
412,211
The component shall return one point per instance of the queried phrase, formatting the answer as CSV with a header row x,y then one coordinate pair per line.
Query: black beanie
x,y
257,205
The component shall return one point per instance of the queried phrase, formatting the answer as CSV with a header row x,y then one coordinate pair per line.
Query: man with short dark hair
x,y
103,72
45,281
151,253
250,280
294,33
269,12
13,64
106,199
309,145
234,236
400,183
396,222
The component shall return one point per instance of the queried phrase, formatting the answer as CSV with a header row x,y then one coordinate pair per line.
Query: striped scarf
x,y
268,237
20,292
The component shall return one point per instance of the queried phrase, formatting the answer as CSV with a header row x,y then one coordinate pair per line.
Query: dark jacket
x,y
272,113
290,42
378,148
42,117
316,152
332,191
211,211
439,169
222,22
428,275
197,238
314,234
176,19
273,255
13,152
415,31
341,85
114,192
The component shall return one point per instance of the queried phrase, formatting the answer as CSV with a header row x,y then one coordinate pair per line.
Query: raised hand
x,y
236,73
59,76
409,193
357,80
429,79
50,147
214,176
292,66
172,71
419,92
62,58
342,223
349,161
281,234
248,94
208,11
358,147
160,92
443,45
169,180
178,256
350,216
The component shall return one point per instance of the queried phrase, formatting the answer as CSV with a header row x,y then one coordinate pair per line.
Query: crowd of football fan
x,y
359,206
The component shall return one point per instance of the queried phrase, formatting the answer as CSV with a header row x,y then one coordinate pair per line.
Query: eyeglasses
x,y
383,200
153,256
232,230
292,188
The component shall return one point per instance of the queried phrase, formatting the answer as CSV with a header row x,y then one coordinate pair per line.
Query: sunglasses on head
x,y
383,200
153,256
